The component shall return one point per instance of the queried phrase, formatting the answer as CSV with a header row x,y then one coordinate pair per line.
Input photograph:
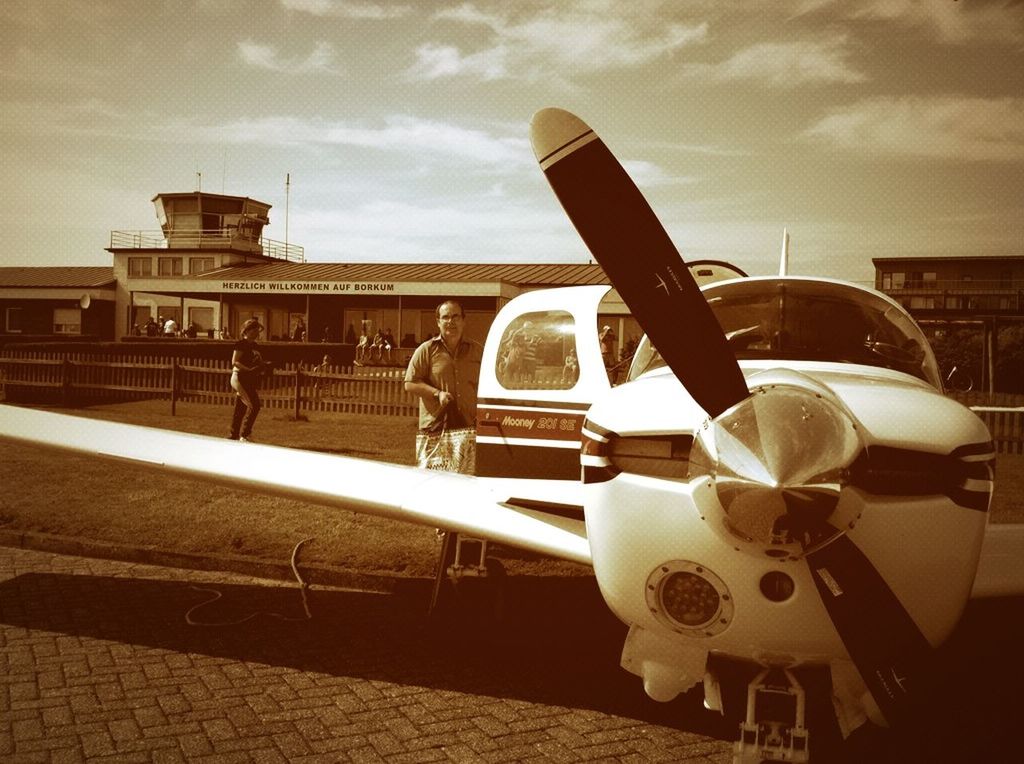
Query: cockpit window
x,y
538,352
790,319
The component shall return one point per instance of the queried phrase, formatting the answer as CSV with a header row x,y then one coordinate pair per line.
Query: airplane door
x,y
541,370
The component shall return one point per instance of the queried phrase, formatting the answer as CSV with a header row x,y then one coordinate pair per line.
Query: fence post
x,y
174,385
65,381
298,390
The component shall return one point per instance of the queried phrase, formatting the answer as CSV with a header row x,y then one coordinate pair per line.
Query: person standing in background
x,y
246,366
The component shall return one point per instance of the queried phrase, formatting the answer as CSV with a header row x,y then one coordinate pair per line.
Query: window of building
x,y
202,318
919,279
893,281
140,266
922,303
200,265
170,311
67,321
140,316
954,303
169,266
12,320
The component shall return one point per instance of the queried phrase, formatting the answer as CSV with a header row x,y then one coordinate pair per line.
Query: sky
x,y
866,127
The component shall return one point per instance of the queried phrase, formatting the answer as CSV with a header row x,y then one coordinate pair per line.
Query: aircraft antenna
x,y
784,258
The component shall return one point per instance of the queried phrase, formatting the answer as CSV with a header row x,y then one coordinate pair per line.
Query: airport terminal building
x,y
210,266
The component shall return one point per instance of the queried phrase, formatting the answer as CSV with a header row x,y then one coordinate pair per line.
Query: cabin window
x,y
538,352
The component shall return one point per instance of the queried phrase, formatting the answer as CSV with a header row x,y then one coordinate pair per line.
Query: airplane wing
x,y
426,497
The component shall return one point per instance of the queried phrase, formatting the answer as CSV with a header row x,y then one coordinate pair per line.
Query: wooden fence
x,y
1006,426
75,378
1002,412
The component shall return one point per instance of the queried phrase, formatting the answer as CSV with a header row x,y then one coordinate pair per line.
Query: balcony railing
x,y
988,296
956,286
221,238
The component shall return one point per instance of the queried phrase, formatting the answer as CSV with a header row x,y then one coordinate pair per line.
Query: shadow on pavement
x,y
557,644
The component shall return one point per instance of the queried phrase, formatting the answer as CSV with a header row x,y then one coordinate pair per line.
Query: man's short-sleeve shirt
x,y
459,374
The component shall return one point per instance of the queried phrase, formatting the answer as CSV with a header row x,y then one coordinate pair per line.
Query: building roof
x,y
551,274
57,277
945,258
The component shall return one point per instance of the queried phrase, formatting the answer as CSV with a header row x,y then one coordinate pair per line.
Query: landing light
x,y
689,598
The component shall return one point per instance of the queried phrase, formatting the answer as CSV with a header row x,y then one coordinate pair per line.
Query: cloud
x,y
398,133
944,20
555,42
348,10
945,127
439,61
489,229
647,175
29,64
784,64
320,60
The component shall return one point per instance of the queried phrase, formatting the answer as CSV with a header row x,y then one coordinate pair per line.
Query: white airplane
x,y
768,501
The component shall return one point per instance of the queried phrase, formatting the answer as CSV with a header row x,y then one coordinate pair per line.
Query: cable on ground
x,y
303,586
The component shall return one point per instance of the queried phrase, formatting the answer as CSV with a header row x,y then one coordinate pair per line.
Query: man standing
x,y
444,373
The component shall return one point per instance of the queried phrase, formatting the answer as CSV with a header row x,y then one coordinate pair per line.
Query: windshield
x,y
792,319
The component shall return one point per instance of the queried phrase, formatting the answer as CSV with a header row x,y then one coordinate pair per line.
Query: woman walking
x,y
246,366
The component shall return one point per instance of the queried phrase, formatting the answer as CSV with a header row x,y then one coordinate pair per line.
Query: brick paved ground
x,y
98,663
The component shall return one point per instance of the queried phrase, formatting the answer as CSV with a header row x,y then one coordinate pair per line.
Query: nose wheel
x,y
774,728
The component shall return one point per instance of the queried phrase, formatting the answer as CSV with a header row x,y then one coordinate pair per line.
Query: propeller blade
x,y
894,658
624,235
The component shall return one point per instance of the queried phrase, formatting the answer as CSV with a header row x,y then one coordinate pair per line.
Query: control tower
x,y
199,233
212,221
230,225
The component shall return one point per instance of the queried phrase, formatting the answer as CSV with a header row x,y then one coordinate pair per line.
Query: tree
x,y
961,348
1010,360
